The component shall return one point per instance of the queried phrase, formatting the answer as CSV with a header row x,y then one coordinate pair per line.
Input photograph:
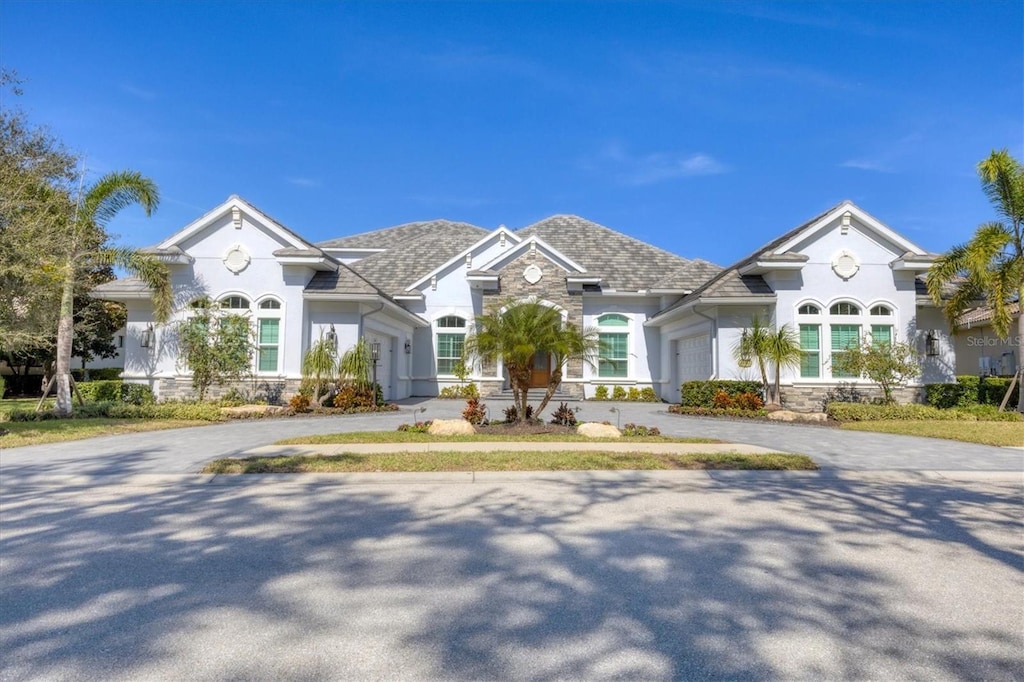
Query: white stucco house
x,y
416,288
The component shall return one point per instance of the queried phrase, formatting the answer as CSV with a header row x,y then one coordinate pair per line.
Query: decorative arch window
x,y
451,340
844,308
234,303
613,356
881,310
268,336
881,329
808,309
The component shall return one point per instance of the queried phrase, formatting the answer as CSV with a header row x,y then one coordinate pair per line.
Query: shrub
x,y
512,413
648,395
353,395
169,410
748,401
299,402
722,400
463,391
850,412
712,412
640,430
115,391
970,390
417,427
634,394
564,416
618,393
702,393
103,374
601,392
3,385
475,412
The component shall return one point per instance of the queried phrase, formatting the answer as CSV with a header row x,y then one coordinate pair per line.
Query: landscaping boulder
x,y
451,427
790,416
595,430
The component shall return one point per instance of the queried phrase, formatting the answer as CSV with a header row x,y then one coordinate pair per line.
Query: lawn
x,y
10,404
503,461
412,437
986,433
59,430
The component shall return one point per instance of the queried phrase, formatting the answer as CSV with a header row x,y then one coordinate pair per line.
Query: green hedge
x,y
970,390
717,412
858,412
702,393
115,391
117,410
3,386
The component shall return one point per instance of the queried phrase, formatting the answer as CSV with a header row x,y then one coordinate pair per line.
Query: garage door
x,y
694,358
385,362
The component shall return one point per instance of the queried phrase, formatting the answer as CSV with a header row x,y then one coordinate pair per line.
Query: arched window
x,y
234,303
808,309
451,339
844,308
881,329
613,356
268,336
810,341
881,310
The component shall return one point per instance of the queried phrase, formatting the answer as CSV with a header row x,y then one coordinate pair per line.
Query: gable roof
x,y
234,201
412,250
625,263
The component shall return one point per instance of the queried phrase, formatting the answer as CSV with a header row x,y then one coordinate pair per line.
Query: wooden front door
x,y
541,370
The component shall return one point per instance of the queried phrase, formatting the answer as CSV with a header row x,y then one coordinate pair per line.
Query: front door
x,y
541,370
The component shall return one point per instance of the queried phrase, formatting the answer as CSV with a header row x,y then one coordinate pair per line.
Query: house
x,y
979,350
415,289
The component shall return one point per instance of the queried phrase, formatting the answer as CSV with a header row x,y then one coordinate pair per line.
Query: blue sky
x,y
705,128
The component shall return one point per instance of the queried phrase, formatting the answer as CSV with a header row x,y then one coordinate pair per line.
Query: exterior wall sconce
x,y
408,346
148,336
375,352
931,344
332,336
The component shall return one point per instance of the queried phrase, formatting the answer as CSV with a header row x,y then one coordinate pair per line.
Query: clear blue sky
x,y
705,128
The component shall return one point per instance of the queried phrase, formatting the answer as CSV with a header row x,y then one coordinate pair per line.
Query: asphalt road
x,y
123,566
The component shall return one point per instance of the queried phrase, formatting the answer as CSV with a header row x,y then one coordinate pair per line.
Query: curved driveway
x,y
187,450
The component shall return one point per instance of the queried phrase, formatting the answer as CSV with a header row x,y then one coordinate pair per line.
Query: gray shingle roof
x,y
344,281
625,263
413,250
127,285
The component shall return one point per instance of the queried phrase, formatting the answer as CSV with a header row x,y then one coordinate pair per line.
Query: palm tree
x,y
570,344
782,349
518,331
83,249
752,345
990,267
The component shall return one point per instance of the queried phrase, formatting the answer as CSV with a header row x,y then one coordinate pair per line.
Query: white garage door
x,y
694,358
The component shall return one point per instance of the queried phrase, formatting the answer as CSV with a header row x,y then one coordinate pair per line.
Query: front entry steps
x,y
534,395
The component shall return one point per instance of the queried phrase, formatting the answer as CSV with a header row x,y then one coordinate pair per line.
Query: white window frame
x,y
604,328
451,331
261,313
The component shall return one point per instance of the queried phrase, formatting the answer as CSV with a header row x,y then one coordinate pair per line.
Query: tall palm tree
x,y
516,332
770,347
782,349
570,344
83,249
990,266
752,345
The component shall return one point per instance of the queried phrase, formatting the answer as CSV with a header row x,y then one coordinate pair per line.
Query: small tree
x,y
782,349
888,365
319,369
777,348
217,349
356,365
751,346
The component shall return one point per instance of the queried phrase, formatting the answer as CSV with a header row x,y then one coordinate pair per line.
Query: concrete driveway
x,y
111,571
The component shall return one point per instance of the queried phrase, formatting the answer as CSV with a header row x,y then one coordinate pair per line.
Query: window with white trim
x,y
268,336
844,337
234,303
613,356
451,339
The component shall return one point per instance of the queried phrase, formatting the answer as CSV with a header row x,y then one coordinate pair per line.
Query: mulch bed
x,y
526,429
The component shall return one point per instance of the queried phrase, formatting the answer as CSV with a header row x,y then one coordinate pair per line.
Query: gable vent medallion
x,y
845,264
236,217
237,258
532,274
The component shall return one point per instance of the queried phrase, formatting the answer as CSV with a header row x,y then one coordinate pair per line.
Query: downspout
x,y
365,315
714,337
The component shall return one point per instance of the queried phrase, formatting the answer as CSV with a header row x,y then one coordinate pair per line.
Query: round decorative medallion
x,y
237,259
532,274
845,264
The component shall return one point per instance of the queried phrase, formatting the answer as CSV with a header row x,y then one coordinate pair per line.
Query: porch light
x,y
147,337
931,344
375,352
408,346
332,336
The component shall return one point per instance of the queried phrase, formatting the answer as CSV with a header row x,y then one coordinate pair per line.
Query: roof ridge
x,y
676,256
412,223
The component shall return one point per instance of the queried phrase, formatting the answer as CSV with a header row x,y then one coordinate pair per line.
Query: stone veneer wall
x,y
180,389
550,287
812,398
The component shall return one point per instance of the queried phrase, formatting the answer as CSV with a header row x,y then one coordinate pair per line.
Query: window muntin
x,y
613,358
881,335
234,303
881,310
450,344
810,349
844,308
844,336
269,341
808,309
270,304
613,320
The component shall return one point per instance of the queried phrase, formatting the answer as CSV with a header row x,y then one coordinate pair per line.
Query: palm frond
x,y
116,191
147,268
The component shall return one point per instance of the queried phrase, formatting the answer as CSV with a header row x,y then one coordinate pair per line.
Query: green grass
x,y
412,437
503,461
986,433
10,404
60,430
